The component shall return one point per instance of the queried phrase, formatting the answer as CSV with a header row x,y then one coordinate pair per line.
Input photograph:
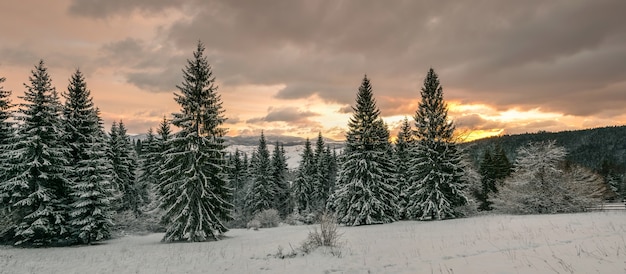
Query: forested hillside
x,y
589,147
601,149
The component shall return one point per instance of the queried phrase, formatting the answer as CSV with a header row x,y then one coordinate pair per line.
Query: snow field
x,y
566,243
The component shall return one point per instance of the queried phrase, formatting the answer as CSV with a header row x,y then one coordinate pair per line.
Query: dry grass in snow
x,y
568,243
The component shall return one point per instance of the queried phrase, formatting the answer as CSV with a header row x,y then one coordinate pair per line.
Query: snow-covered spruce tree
x,y
366,188
487,181
279,171
37,186
196,196
542,184
403,146
437,179
90,172
6,134
324,169
494,168
262,191
302,188
238,182
124,161
150,164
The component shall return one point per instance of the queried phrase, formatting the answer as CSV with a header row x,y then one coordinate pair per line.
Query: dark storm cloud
x,y
554,55
522,53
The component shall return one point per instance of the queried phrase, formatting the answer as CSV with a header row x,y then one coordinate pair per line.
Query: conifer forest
x,y
66,180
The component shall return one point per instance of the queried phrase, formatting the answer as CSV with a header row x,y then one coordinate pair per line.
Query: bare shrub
x,y
268,218
328,235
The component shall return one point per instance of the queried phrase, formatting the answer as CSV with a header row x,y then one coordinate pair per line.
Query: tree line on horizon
x,y
63,178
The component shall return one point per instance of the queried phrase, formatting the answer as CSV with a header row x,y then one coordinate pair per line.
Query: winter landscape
x,y
304,142
563,243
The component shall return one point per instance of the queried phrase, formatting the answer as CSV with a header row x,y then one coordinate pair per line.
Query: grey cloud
x,y
475,121
345,109
160,81
550,54
110,8
284,114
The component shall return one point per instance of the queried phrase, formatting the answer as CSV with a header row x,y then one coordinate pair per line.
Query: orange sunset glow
x,y
293,68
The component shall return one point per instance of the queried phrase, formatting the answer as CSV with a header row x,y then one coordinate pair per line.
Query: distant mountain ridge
x,y
588,147
270,139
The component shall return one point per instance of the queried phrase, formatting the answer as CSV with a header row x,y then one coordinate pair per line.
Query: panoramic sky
x,y
294,67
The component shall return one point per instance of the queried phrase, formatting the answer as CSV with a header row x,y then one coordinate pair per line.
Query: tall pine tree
x,y
366,189
279,178
124,161
38,188
90,170
305,179
196,196
436,173
262,191
6,134
403,146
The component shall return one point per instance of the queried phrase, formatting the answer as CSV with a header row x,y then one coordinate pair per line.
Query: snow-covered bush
x,y
541,183
268,218
253,224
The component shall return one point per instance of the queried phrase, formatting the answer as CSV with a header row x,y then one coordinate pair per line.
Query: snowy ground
x,y
569,243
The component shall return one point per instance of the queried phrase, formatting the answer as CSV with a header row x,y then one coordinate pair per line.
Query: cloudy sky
x,y
293,67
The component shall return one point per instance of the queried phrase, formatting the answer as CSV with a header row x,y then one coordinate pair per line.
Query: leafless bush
x,y
328,235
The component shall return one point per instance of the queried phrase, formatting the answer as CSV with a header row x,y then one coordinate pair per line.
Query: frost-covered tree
x,y
404,142
37,188
196,197
279,171
238,182
6,134
263,191
302,188
150,164
366,188
437,183
542,184
124,161
90,171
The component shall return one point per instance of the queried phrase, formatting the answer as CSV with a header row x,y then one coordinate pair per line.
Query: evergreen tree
x,y
90,168
196,196
487,180
6,134
501,164
124,161
322,184
164,133
38,189
262,191
437,175
238,178
150,162
163,142
403,146
305,180
366,190
279,178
